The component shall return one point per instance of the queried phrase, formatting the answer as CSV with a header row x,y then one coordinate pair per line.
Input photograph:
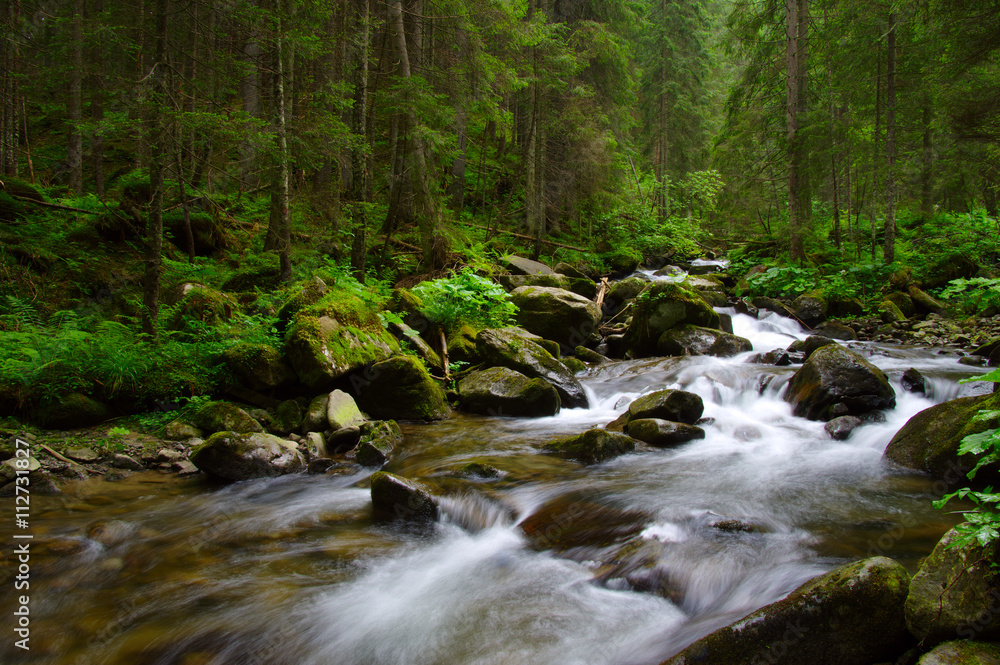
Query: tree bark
x,y
280,220
9,17
74,104
359,160
792,70
889,246
156,140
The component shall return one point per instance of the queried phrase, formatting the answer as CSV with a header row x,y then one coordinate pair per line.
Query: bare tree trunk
x,y
359,161
156,140
793,139
250,88
927,161
889,247
97,109
876,158
74,105
281,233
9,17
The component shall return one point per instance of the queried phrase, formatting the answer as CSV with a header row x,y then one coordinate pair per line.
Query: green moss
x,y
401,387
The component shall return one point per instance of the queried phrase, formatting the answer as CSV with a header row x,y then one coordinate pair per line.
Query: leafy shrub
x,y
782,282
974,295
465,298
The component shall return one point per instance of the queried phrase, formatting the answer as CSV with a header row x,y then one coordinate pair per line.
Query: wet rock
x,y
120,461
663,433
590,356
315,443
322,349
259,367
972,361
224,417
401,388
841,428
556,314
743,307
690,340
669,271
676,405
662,306
778,357
955,593
238,456
315,419
398,498
500,391
924,302
835,375
810,308
835,330
567,521
639,564
853,615
913,381
812,343
593,446
342,411
112,533
962,653
184,468
287,418
506,347
337,441
319,465
480,470
929,441
890,313
774,305
379,438
82,454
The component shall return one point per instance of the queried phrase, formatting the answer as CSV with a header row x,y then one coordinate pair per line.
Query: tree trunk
x,y
74,105
927,161
889,247
9,18
280,221
792,69
250,94
97,109
876,158
359,161
156,141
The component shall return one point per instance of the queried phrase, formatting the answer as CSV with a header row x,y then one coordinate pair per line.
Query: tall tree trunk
x,y
889,247
9,116
359,161
74,105
927,161
424,203
794,140
250,87
876,159
280,228
97,108
156,141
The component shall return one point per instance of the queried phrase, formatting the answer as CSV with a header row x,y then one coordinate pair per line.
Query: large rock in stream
x,y
662,306
501,391
690,340
322,349
507,347
401,388
853,615
398,498
556,314
236,456
929,441
677,406
593,446
833,376
956,593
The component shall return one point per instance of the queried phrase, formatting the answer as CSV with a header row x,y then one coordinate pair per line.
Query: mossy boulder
x,y
21,189
501,391
507,347
72,411
961,652
236,456
287,418
378,440
889,312
310,294
925,303
398,498
688,340
400,388
11,209
556,314
836,330
551,280
662,306
314,419
342,411
955,593
323,349
199,307
259,367
518,265
929,441
593,446
207,236
852,615
410,338
462,345
663,433
223,416
834,375
810,308
621,293
904,302
262,277
675,405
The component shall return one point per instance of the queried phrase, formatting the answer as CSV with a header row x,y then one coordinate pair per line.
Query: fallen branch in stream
x,y
58,456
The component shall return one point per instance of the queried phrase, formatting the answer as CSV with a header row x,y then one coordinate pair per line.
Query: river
x,y
523,568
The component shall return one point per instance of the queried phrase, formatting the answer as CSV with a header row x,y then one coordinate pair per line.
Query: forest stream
x,y
522,568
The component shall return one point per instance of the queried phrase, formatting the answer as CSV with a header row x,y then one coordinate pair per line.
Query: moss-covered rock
x,y
310,294
401,388
287,418
925,303
199,307
663,433
688,340
323,349
72,411
903,302
259,367
955,593
675,405
223,416
409,338
593,446
462,345
342,411
262,277
853,615
314,419
661,307
21,189
961,652
378,440
11,209
398,498
207,235
621,293
835,375
929,441
590,356
889,312
178,430
507,347
810,308
574,365
556,314
236,456
501,391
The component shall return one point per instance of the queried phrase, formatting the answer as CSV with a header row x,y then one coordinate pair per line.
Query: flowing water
x,y
524,568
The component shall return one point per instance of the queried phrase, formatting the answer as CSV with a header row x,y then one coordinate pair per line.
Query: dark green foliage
x,y
465,298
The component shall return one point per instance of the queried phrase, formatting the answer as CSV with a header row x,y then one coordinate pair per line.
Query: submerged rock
x,y
507,347
810,308
913,381
833,376
841,428
663,433
501,391
853,615
398,498
955,593
593,446
236,456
